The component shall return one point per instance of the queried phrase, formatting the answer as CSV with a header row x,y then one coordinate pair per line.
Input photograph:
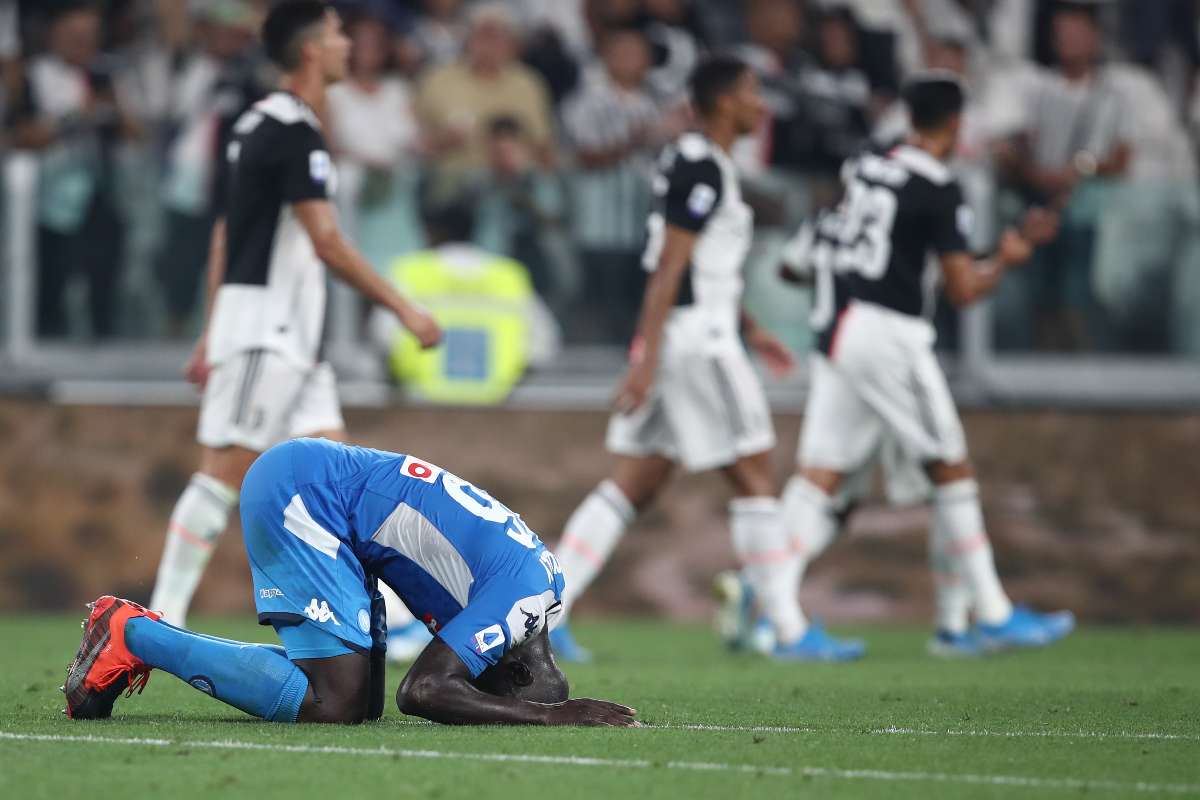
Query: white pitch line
x,y
893,730
833,773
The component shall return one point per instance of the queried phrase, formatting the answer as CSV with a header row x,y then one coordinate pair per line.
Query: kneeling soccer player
x,y
323,522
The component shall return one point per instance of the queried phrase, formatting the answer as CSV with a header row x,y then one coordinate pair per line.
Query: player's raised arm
x,y
524,688
968,279
320,221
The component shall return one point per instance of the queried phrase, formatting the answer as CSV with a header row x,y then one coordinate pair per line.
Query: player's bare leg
x,y
963,552
597,525
772,557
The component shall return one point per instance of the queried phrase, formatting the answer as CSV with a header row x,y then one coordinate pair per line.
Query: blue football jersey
x,y
462,561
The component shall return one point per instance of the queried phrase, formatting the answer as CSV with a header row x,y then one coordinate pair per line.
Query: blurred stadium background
x,y
1080,378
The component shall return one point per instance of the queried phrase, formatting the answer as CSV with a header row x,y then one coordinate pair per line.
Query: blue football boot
x,y
1058,624
566,648
735,621
817,645
1024,628
945,644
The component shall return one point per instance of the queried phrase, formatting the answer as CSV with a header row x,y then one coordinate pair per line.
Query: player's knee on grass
x,y
941,473
338,689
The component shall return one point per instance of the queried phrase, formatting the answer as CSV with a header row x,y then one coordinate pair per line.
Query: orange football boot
x,y
104,667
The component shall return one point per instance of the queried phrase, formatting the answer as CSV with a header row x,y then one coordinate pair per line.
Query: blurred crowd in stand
x,y
547,116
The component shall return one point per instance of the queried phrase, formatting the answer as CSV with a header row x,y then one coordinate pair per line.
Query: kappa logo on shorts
x,y
320,613
270,594
488,638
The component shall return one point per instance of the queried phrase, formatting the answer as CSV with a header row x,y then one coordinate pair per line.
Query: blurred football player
x,y
690,396
876,378
259,356
323,523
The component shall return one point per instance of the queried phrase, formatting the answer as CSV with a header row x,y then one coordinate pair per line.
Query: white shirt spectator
x,y
377,128
610,203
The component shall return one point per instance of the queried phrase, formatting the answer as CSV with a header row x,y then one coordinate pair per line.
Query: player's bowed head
x,y
525,687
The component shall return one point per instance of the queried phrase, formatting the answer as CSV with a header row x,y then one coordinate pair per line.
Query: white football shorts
x,y
881,379
707,409
258,398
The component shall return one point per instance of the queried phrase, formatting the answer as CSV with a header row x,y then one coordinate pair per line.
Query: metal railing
x,y
148,373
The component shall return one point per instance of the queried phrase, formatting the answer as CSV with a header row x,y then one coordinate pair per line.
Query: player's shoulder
x,y
278,118
925,170
691,158
694,147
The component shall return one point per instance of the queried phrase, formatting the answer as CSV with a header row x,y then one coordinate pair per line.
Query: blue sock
x,y
254,678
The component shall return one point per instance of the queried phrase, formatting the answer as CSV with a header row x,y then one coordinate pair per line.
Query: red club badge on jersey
x,y
421,470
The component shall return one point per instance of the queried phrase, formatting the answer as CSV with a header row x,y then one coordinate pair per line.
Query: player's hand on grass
x,y
196,369
585,711
779,359
422,325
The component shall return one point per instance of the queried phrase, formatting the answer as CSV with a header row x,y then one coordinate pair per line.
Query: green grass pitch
x,y
1108,713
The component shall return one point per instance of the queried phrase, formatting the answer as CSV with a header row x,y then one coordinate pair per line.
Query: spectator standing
x,y
211,86
775,29
70,112
1077,133
837,102
439,32
520,213
614,126
456,101
377,138
677,35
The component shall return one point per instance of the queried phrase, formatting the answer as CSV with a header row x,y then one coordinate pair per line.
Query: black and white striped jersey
x,y
696,188
901,209
273,295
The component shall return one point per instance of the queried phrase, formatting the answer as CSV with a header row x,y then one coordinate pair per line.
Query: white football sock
x,y
769,561
589,538
952,599
200,517
398,614
809,519
964,542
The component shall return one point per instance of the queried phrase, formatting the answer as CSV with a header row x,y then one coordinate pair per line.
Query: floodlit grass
x,y
1108,713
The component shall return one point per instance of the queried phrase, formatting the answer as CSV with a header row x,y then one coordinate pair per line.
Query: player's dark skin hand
x,y
586,711
524,688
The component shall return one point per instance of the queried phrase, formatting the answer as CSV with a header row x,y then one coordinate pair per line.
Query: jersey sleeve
x,y
498,618
307,167
693,192
952,220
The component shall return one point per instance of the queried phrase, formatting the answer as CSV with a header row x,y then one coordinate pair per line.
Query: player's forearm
x,y
350,265
981,281
452,700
